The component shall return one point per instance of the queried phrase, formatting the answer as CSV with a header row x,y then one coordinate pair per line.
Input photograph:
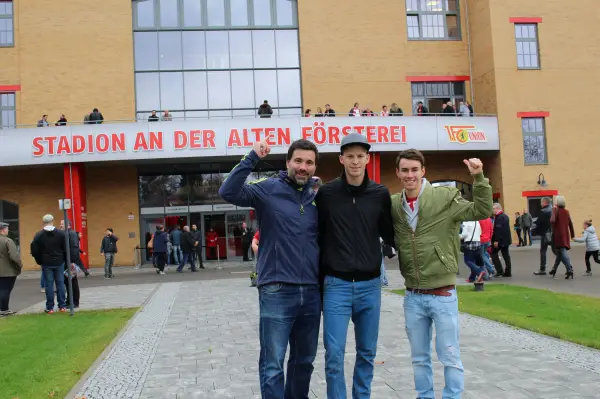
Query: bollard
x,y
478,286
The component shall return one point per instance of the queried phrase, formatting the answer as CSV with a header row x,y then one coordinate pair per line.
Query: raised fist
x,y
262,149
475,166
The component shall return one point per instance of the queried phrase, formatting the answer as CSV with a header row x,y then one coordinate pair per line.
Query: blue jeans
x,y
185,258
42,281
471,262
291,314
420,312
177,254
360,301
54,275
485,256
383,277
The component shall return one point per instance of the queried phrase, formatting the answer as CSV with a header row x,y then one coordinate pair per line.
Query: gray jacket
x,y
590,238
526,221
10,261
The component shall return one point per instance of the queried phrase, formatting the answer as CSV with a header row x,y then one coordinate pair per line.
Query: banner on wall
x,y
185,139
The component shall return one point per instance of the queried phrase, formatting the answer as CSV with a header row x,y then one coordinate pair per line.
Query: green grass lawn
x,y
43,356
573,318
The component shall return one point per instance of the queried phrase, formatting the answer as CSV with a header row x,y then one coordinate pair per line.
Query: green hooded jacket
x,y
428,257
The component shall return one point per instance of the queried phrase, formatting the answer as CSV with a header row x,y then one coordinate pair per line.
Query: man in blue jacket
x,y
288,265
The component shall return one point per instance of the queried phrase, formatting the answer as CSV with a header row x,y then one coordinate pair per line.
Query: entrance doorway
x,y
234,234
149,224
215,236
534,205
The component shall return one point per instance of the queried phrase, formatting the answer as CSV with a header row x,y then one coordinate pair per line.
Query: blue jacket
x,y
287,216
160,241
176,237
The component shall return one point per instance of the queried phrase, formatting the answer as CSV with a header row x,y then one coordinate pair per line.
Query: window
x,y
528,55
7,38
534,141
434,94
9,213
433,19
216,58
7,111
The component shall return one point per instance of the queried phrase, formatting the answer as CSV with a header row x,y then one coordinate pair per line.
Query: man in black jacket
x,y
48,248
188,246
197,236
501,240
543,227
108,248
74,257
247,235
354,212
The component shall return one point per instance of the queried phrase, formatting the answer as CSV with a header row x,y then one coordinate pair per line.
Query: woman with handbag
x,y
10,268
471,236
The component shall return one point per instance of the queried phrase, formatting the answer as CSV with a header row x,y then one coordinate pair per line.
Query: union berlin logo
x,y
465,134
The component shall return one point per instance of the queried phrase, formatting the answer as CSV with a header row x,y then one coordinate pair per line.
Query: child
x,y
592,246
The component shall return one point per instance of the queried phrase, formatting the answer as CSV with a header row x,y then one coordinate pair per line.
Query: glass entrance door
x,y
234,234
215,236
149,224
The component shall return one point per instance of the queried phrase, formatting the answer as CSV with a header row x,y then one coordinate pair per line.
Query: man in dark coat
x,y
501,240
247,235
197,236
188,247
543,229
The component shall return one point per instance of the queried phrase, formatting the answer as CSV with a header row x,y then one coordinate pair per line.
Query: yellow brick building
x,y
528,67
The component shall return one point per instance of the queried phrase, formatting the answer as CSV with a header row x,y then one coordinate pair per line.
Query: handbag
x,y
463,244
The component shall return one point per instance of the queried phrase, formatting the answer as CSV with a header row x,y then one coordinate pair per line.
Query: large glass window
x,y
433,19
9,213
7,110
204,57
534,141
7,34
433,95
528,55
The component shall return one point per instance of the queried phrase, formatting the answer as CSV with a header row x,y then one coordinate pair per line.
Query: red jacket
x,y
486,230
561,227
211,239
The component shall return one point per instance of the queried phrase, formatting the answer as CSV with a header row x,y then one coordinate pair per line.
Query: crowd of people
x,y
93,118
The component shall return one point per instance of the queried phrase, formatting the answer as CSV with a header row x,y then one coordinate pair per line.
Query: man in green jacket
x,y
426,226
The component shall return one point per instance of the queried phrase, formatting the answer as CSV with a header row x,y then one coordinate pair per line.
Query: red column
x,y
74,178
374,167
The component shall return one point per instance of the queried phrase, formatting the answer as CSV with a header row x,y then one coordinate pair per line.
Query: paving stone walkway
x,y
202,342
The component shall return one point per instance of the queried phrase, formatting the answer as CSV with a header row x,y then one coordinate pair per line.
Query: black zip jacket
x,y
49,248
187,242
351,220
543,221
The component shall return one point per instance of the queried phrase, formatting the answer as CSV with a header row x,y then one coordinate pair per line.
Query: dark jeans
x,y
185,258
360,301
588,254
76,291
526,234
291,314
197,255
498,264
212,253
471,262
161,260
54,275
520,237
246,250
544,244
6,286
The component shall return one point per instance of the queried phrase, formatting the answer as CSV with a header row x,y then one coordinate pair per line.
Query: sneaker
x,y
49,311
540,273
587,274
7,313
106,278
163,273
43,290
62,310
157,271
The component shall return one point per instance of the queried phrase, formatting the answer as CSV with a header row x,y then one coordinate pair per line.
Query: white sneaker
x,y
163,273
43,290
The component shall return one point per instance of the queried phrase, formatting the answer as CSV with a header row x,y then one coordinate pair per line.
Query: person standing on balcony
x,y
329,111
464,110
96,117
395,110
62,121
166,117
355,111
43,122
265,110
153,117
421,109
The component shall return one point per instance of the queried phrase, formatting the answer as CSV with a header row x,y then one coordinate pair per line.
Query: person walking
x,y
197,255
501,241
471,243
543,229
354,212
159,243
526,222
562,233
48,248
517,227
75,258
486,242
592,246
288,265
176,242
246,241
188,246
10,268
426,223
108,248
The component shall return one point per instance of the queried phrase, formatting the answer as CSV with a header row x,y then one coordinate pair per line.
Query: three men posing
x,y
332,239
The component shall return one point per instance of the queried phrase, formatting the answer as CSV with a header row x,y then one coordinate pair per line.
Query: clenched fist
x,y
262,149
475,166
